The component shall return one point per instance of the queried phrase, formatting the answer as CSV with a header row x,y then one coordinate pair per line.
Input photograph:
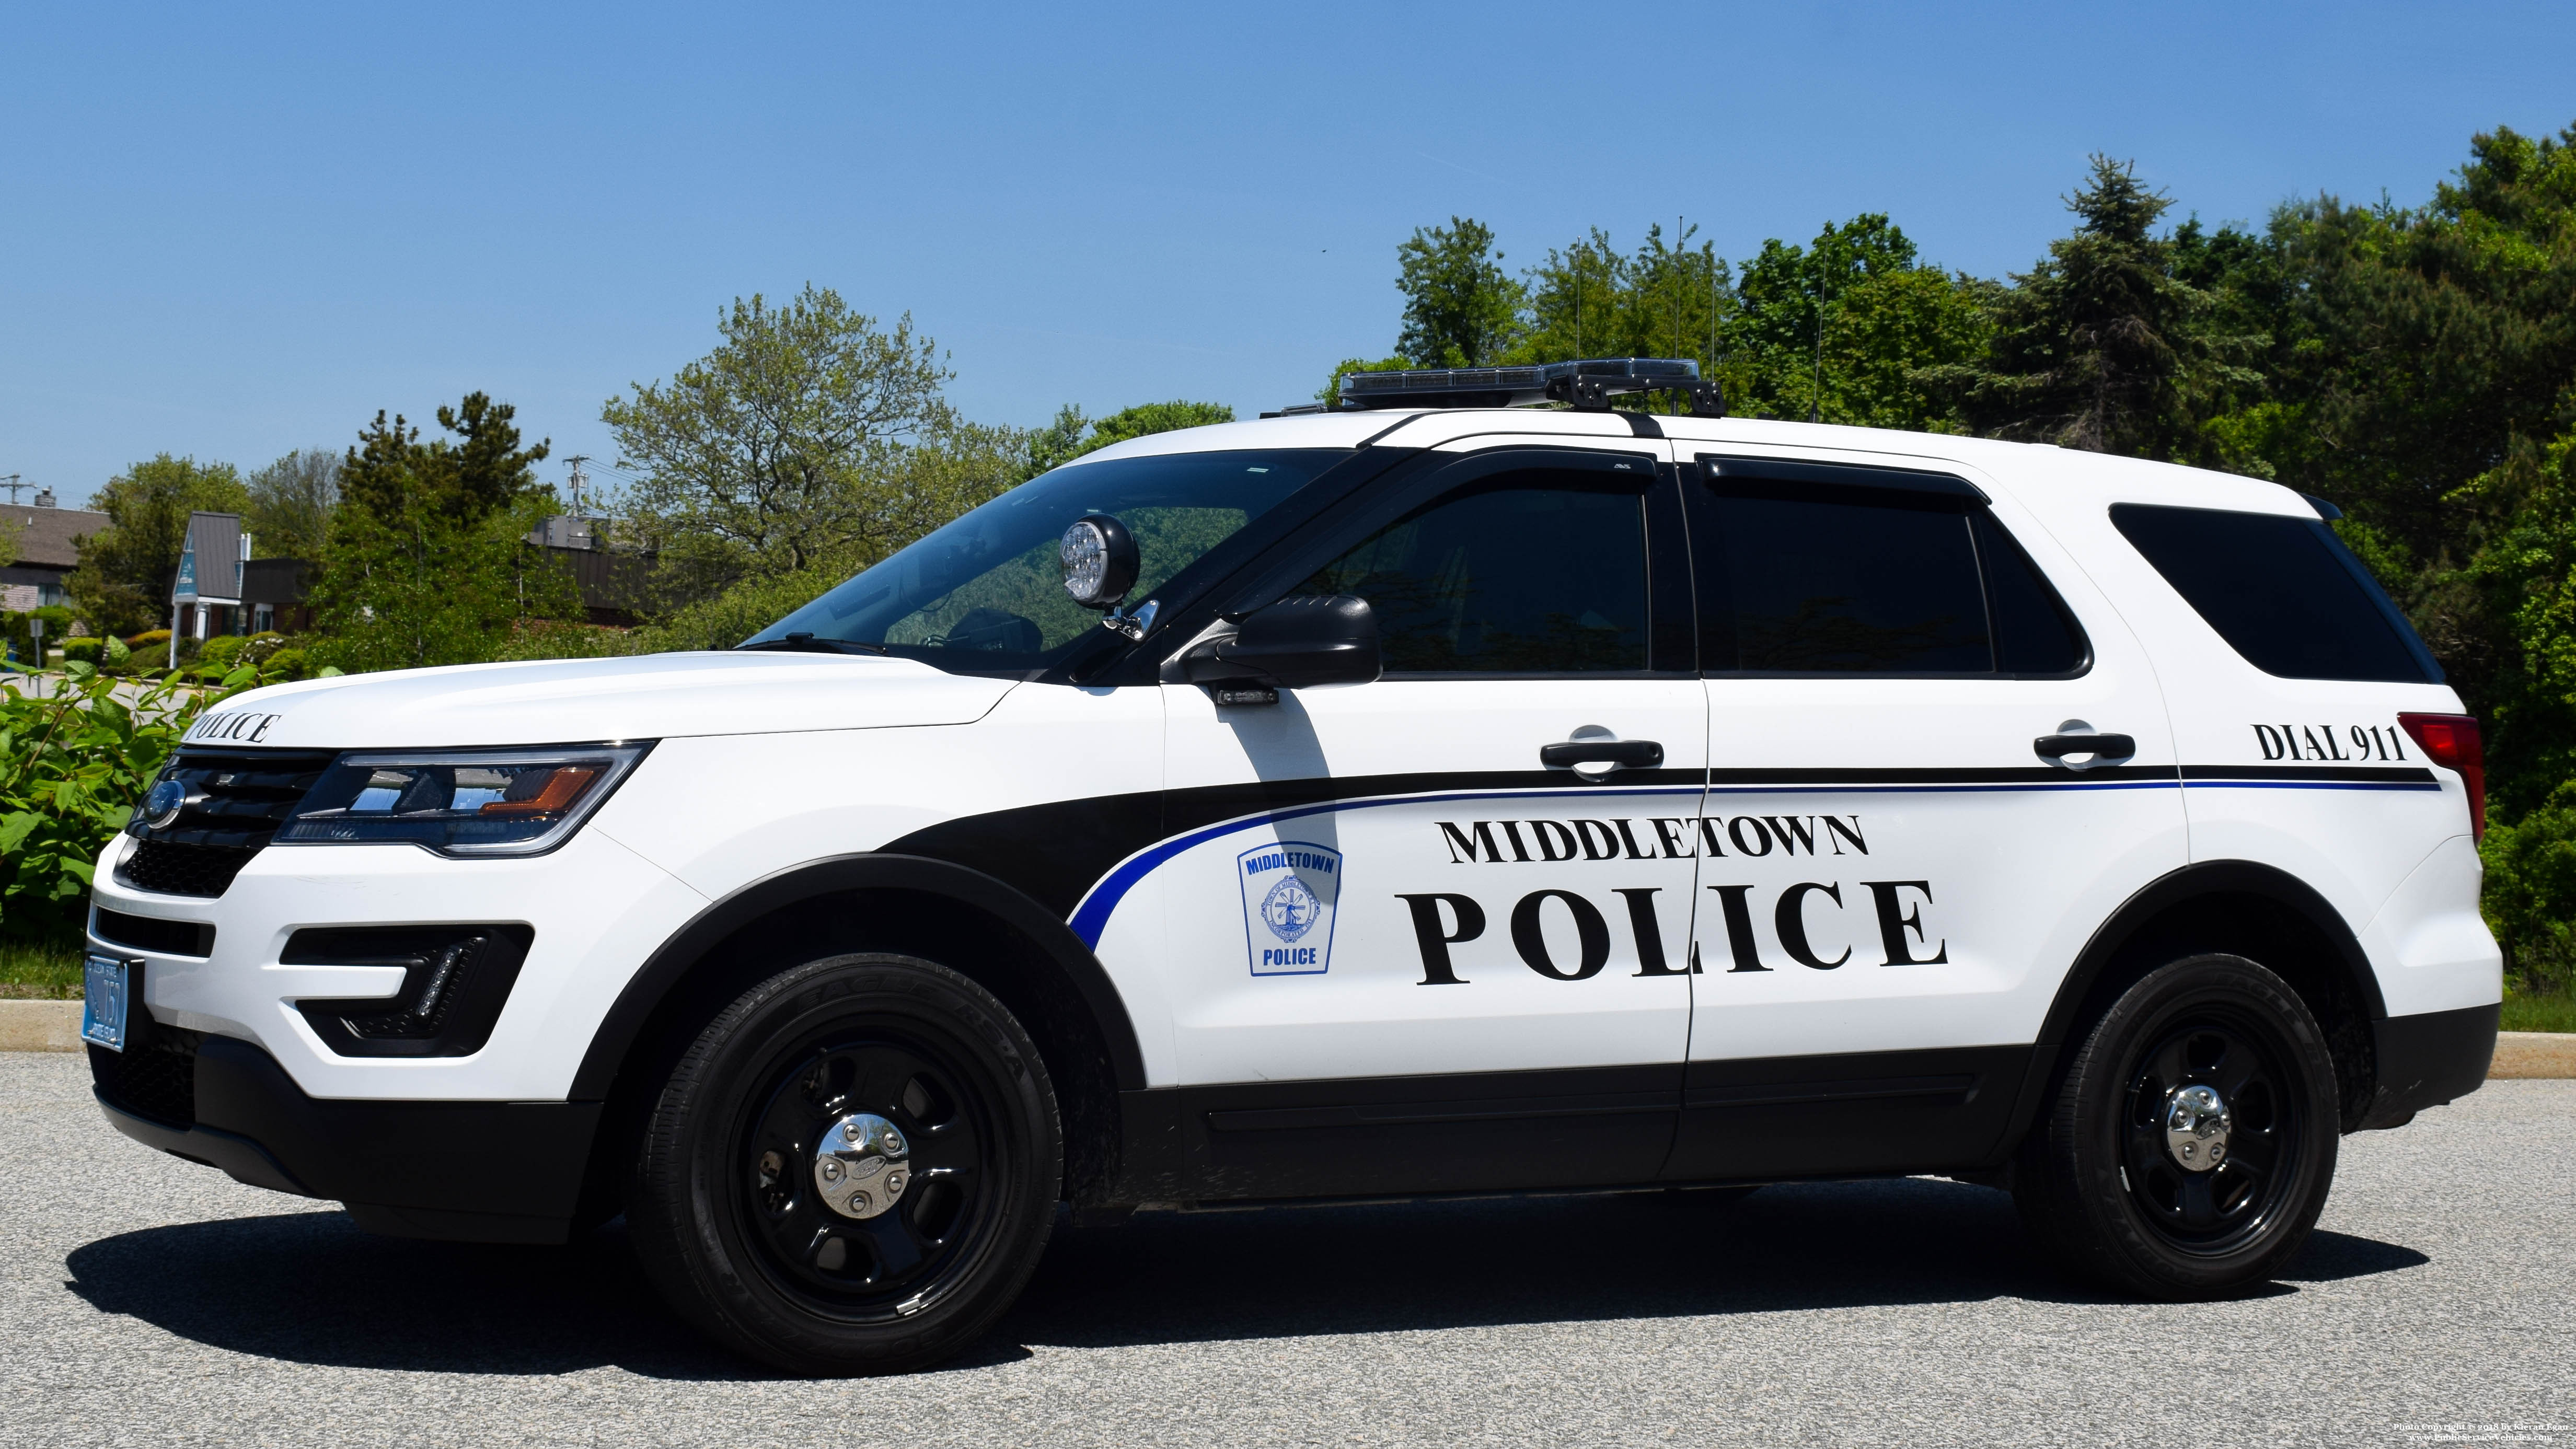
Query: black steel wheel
x,y
2213,1057
853,1170
2192,1143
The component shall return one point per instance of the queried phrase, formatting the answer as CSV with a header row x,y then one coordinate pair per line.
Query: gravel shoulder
x,y
147,1300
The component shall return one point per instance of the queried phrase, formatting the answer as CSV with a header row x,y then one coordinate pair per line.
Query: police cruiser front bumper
x,y
494,1172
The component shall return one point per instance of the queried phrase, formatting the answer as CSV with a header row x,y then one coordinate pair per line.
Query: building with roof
x,y
46,551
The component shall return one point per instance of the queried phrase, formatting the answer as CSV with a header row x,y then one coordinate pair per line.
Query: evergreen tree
x,y
428,561
2102,345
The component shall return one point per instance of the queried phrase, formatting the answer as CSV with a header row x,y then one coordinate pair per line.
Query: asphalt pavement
x,y
148,1301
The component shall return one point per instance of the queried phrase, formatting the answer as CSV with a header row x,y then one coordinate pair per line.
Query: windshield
x,y
987,593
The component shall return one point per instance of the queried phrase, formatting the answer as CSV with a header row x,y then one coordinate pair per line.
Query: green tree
x,y
1461,309
1148,418
427,560
1056,444
788,448
1590,300
1843,330
1330,394
1072,435
289,512
2102,345
126,570
2420,371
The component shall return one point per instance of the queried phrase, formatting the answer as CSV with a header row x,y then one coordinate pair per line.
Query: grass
x,y
45,973
2553,1012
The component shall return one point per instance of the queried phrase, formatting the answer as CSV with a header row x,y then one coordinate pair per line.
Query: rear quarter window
x,y
2283,592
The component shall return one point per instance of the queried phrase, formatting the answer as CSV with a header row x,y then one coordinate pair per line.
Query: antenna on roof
x,y
15,488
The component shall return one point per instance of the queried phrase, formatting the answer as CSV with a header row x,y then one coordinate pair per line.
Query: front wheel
x,y
853,1169
2192,1143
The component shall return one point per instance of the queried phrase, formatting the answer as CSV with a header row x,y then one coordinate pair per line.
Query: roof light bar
x,y
1587,385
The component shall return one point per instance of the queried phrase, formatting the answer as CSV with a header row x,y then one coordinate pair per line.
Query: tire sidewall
x,y
2088,1126
692,1231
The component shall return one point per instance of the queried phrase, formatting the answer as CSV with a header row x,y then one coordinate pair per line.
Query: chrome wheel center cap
x,y
862,1165
2197,1124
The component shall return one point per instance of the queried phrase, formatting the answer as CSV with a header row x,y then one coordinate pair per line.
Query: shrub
x,y
284,664
72,768
554,639
2530,897
220,650
149,639
258,648
81,651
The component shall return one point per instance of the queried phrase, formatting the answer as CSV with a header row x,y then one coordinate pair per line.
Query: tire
x,y
727,1208
2106,1190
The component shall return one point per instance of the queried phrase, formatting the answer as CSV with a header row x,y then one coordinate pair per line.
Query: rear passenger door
x,y
1900,857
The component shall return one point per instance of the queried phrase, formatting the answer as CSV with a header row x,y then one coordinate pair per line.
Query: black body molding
x,y
880,871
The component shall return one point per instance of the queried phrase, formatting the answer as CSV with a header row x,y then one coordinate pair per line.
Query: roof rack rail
x,y
1587,385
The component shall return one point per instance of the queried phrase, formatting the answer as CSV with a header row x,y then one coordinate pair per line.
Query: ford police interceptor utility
x,y
1428,795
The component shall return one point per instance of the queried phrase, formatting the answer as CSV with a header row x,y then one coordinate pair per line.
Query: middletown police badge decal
x,y
1288,895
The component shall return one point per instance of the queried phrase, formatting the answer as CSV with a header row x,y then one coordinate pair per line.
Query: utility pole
x,y
15,488
578,479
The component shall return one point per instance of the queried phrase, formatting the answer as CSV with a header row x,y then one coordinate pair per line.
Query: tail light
x,y
2452,741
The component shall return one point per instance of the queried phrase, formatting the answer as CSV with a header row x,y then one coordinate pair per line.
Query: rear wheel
x,y
853,1169
2192,1143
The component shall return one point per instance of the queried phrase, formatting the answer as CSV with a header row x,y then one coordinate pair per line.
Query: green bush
x,y
71,769
148,639
284,664
2530,898
82,651
554,639
221,650
258,648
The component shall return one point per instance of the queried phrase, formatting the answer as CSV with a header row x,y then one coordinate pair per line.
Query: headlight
x,y
461,803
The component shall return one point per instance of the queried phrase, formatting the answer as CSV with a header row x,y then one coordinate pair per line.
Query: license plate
x,y
107,990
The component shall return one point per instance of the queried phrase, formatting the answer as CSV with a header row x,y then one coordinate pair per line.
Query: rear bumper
x,y
494,1172
2429,1059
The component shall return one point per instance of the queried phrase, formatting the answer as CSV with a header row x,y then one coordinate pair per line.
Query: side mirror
x,y
1295,643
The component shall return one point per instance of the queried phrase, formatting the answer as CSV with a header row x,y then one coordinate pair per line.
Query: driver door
x,y
1402,951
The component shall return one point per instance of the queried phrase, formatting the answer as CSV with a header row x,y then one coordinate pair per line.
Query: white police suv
x,y
1429,795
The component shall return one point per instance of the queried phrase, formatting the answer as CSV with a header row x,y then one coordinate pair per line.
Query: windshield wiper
x,y
807,643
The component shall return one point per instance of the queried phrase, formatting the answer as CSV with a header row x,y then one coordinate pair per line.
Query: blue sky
x,y
234,231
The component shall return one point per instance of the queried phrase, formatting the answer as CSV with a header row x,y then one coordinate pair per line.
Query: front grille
x,y
183,870
236,801
155,1077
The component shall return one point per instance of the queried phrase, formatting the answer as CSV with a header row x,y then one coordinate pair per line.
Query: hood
x,y
565,701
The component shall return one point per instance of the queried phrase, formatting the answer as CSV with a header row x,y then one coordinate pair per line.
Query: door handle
x,y
2103,749
1567,754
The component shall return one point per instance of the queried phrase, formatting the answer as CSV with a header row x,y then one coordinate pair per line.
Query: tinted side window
x,y
1525,573
1847,580
2281,591
2033,632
